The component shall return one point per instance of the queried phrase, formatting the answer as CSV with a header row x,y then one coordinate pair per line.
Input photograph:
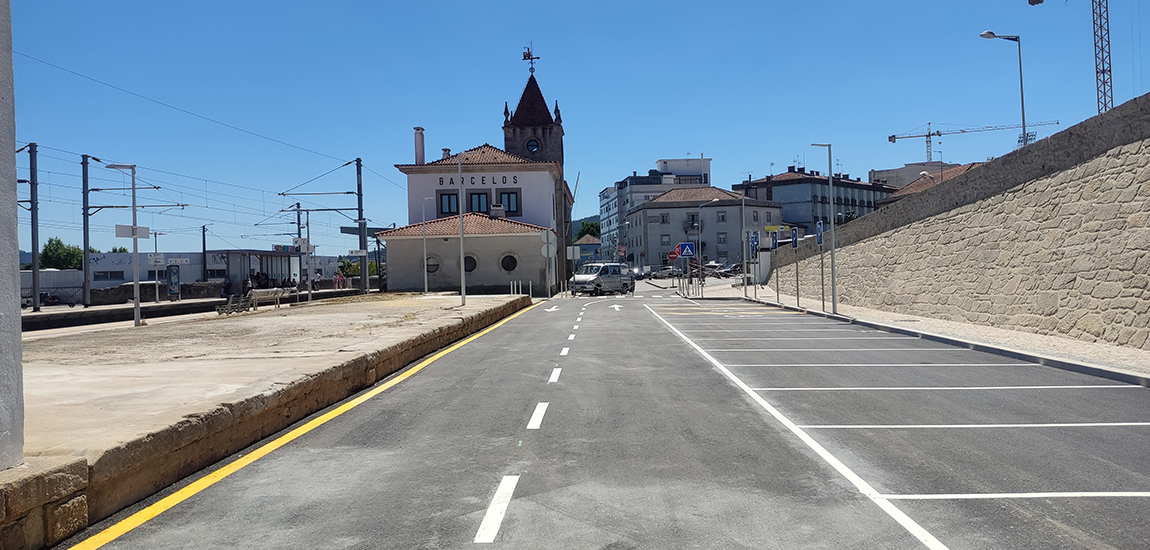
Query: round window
x,y
532,145
469,263
509,263
432,264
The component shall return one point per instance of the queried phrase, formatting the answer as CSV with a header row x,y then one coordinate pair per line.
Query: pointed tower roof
x,y
532,109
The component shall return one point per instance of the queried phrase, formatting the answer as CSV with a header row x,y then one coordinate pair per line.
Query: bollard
x,y
530,289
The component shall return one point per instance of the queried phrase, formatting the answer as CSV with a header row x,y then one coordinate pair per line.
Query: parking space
x,y
941,434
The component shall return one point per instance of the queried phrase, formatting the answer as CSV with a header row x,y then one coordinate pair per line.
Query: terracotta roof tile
x,y
484,154
588,239
532,108
474,223
926,182
688,194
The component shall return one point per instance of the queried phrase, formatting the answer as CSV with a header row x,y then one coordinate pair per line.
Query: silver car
x,y
601,278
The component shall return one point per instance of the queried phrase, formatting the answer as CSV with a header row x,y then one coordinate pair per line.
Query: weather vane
x,y
527,57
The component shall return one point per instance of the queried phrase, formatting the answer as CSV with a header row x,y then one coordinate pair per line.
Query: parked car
x,y
601,278
667,271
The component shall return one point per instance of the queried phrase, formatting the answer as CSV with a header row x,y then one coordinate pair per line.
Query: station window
x,y
448,204
510,202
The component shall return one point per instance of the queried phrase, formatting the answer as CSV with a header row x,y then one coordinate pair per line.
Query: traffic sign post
x,y
795,246
673,255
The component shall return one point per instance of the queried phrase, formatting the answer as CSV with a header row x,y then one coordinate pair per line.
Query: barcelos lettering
x,y
479,180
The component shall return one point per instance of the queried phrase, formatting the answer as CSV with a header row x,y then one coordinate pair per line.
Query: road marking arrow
x,y
552,308
616,306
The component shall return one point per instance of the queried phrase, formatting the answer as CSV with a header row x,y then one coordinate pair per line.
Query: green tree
x,y
589,228
119,249
349,267
93,250
57,255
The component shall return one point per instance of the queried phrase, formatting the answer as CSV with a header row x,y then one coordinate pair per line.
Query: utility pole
x,y
87,255
362,226
35,204
204,238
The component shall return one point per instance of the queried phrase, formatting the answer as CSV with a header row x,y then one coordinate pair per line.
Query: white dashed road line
x,y
576,327
564,351
554,376
495,512
537,416
571,337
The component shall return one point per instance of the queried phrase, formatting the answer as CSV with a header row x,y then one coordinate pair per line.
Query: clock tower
x,y
530,131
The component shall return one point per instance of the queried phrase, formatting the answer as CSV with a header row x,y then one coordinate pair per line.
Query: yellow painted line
x,y
139,518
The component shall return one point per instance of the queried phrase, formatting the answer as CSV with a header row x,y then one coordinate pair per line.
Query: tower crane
x,y
937,133
1101,13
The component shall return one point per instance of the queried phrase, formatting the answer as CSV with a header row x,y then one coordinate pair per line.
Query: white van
x,y
602,277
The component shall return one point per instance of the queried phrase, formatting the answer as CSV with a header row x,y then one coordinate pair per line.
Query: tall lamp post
x,y
424,224
834,218
135,244
1017,40
699,244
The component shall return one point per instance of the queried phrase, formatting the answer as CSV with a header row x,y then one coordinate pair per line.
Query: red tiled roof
x,y
484,154
926,182
532,108
588,239
689,194
474,223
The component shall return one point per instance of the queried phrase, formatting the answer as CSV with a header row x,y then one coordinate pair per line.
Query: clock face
x,y
532,145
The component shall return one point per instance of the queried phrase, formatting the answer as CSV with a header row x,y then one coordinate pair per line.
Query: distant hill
x,y
579,223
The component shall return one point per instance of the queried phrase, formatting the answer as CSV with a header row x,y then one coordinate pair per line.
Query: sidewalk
x,y
1097,355
113,414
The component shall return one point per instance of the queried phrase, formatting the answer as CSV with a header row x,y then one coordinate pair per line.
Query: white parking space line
x,y
792,338
576,327
633,296
564,351
968,426
947,388
657,296
537,416
571,337
978,496
852,350
495,512
863,487
554,375
886,365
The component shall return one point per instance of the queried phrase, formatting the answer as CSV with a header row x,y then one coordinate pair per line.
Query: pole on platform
x,y
87,298
35,209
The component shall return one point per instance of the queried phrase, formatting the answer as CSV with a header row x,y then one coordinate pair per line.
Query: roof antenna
x,y
527,57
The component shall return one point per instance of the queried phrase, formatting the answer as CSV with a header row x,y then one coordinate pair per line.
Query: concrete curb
x,y
1081,368
59,505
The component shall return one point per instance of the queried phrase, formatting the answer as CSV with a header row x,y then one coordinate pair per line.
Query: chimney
x,y
419,145
790,169
446,152
497,211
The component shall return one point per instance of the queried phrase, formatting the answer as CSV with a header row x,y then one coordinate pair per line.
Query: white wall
x,y
488,251
536,189
11,371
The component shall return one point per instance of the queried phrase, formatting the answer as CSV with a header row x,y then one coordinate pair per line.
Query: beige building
x,y
497,252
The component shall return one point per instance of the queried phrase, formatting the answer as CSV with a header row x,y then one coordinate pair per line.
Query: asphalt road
x,y
665,423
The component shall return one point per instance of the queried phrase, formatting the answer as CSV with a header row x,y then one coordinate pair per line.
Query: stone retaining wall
x,y
1065,254
47,499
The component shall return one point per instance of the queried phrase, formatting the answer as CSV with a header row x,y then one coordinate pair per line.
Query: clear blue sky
x,y
749,84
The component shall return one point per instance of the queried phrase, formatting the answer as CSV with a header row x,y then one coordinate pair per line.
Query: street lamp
x,y
135,243
424,224
699,244
1017,40
834,218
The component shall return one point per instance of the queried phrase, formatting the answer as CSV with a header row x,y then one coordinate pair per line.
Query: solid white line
x,y
537,416
780,330
909,524
792,338
564,351
972,496
950,426
576,327
840,349
937,388
887,365
554,376
494,517
571,337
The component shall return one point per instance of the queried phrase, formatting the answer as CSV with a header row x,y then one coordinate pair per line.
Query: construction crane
x,y
929,134
1101,12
